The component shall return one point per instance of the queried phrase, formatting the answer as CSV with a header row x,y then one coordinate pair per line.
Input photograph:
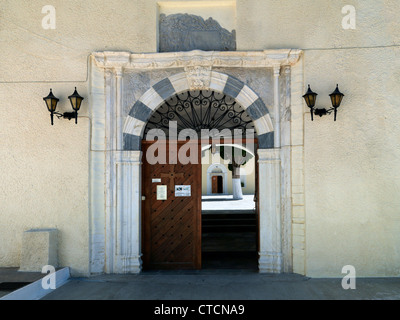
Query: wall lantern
x,y
51,103
336,98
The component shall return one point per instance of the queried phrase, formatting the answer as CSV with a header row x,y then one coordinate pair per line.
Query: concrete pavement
x,y
221,285
226,203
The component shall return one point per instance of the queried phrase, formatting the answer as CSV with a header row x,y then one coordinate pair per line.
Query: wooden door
x,y
214,184
217,185
172,227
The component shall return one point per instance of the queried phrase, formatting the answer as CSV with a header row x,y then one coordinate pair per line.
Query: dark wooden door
x,y
215,184
172,227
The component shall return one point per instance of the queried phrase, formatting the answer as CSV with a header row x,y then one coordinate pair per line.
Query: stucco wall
x,y
351,168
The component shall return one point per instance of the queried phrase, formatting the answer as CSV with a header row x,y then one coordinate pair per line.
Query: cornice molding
x,y
238,59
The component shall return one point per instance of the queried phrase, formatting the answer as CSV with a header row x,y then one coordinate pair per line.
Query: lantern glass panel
x,y
48,104
51,102
310,97
336,97
75,100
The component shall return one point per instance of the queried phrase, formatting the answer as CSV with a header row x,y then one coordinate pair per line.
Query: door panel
x,y
171,227
214,184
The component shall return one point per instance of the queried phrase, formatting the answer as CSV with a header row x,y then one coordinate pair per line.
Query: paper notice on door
x,y
183,191
161,192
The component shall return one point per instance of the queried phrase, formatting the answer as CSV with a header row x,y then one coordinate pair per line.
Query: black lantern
x,y
51,103
76,101
336,98
310,97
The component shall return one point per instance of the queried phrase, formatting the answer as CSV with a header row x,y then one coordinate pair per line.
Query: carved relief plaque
x,y
198,77
186,32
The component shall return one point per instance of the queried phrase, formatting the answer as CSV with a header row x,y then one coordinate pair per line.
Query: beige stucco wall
x,y
351,167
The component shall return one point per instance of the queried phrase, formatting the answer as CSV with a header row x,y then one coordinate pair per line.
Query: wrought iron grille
x,y
197,110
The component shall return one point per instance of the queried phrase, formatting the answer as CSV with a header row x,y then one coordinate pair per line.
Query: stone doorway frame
x,y
115,156
223,174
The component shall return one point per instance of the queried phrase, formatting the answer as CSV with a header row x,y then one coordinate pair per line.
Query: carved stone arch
x,y
194,80
115,156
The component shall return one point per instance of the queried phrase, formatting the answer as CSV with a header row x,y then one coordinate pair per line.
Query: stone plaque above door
x,y
185,32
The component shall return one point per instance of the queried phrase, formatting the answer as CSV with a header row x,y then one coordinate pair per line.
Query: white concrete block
x,y
39,248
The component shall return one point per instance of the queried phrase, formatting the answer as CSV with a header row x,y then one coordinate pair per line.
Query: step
x,y
227,229
229,242
224,223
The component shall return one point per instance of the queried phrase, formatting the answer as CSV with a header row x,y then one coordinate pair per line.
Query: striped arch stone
x,y
157,94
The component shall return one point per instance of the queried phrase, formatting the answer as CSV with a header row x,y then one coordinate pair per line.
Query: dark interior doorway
x,y
229,240
230,229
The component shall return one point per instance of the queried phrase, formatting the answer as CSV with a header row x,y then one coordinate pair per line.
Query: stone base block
x,y
270,262
39,248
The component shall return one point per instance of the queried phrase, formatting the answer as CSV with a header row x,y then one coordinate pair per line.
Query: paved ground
x,y
218,284
221,285
11,279
219,203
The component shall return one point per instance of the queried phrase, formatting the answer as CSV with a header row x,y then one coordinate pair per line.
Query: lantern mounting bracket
x,y
66,115
322,111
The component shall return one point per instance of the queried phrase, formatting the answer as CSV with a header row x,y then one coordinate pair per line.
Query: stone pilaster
x,y
270,260
127,222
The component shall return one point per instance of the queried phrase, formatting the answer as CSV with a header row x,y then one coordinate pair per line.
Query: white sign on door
x,y
161,192
182,191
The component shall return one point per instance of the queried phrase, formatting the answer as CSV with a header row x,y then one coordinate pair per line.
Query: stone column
x,y
270,260
277,112
128,212
118,108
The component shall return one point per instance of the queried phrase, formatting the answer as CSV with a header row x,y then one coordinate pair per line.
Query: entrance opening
x,y
223,183
229,225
